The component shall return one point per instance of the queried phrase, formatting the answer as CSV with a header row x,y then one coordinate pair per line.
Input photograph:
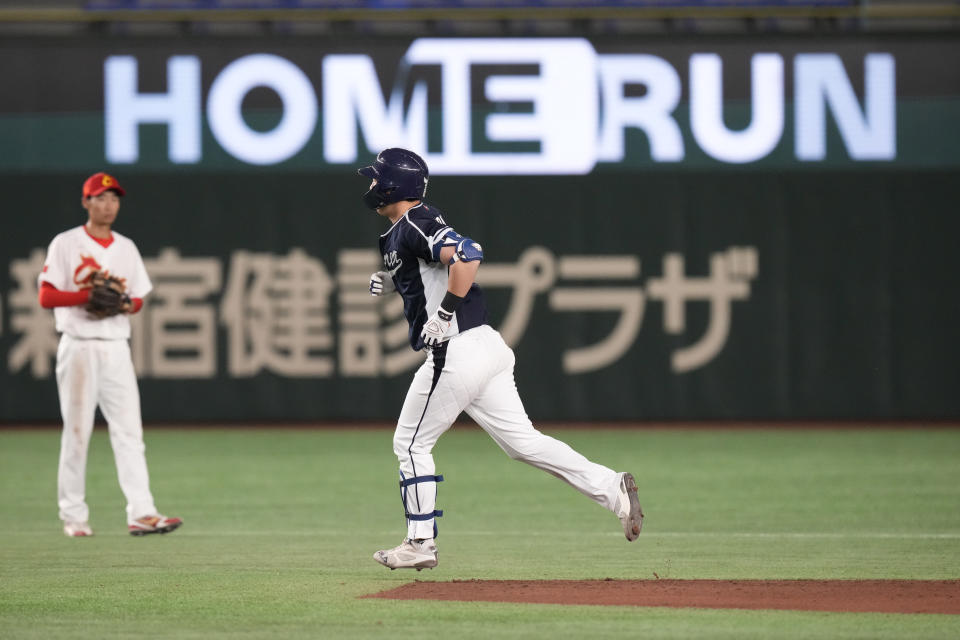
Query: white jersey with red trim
x,y
72,258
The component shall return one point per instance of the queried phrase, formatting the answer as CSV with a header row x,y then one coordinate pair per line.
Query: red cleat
x,y
153,524
77,529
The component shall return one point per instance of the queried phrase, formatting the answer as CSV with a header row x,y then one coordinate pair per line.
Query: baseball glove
x,y
107,296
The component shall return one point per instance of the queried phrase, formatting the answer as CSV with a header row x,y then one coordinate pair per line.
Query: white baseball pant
x,y
92,372
475,375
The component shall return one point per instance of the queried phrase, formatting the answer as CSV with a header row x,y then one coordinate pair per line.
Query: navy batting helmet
x,y
400,175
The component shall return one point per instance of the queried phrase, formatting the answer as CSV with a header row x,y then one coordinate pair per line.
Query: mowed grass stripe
x,y
550,534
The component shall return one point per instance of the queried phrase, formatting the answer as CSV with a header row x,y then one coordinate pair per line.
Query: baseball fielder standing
x,y
468,365
92,278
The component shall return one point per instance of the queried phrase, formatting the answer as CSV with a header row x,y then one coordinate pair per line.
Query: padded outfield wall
x,y
729,228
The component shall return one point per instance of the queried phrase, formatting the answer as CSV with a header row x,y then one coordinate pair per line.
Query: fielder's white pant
x,y
475,374
90,373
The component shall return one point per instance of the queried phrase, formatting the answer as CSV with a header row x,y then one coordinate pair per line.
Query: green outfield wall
x,y
727,228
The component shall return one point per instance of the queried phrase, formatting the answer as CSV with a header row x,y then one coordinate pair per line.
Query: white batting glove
x,y
435,329
381,283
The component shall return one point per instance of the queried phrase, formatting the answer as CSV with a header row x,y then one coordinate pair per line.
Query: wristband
x,y
451,302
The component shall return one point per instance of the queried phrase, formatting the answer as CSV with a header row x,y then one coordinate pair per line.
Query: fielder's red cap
x,y
100,182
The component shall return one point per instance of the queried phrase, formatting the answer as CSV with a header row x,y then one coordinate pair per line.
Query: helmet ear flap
x,y
377,197
373,200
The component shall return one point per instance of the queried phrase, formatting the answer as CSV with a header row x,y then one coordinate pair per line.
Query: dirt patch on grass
x,y
880,596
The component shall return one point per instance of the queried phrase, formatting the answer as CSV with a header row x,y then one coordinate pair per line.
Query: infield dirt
x,y
876,596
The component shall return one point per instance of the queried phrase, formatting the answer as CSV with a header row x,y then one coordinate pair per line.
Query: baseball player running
x,y
92,278
468,366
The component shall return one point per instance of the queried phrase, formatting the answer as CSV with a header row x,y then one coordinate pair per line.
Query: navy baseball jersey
x,y
411,255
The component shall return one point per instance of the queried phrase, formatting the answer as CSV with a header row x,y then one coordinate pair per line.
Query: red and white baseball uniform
x,y
95,368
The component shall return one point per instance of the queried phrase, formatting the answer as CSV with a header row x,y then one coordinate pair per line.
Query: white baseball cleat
x,y
153,524
628,507
77,529
409,555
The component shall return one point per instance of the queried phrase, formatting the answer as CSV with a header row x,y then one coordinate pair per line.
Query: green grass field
x,y
280,526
